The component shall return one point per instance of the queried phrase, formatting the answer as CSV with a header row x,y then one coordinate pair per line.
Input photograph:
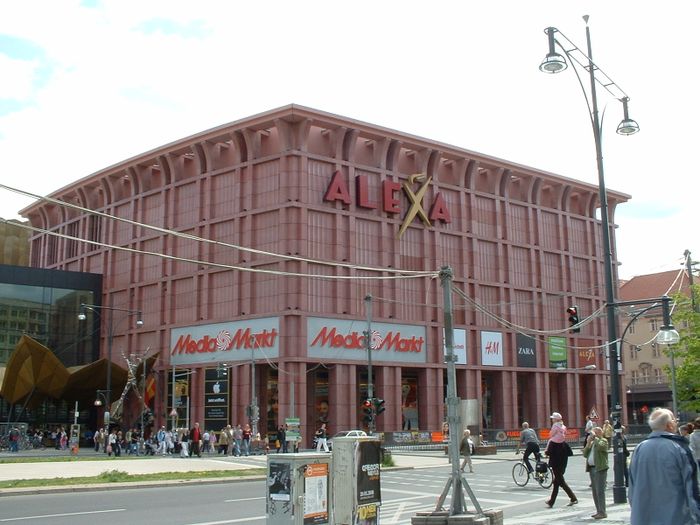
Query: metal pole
x,y
368,341
689,266
173,412
110,342
666,311
453,419
253,396
619,491
142,446
674,396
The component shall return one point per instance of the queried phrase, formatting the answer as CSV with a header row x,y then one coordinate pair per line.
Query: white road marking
x,y
239,520
242,499
61,515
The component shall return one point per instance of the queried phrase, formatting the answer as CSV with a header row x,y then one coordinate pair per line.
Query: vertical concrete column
x,y
543,405
387,385
342,397
431,391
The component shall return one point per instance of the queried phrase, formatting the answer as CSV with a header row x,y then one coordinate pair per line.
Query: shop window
x,y
409,403
321,405
272,402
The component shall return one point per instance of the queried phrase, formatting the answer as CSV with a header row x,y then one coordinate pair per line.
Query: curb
x,y
58,489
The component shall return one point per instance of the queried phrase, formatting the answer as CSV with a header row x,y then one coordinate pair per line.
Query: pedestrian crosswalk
x,y
404,495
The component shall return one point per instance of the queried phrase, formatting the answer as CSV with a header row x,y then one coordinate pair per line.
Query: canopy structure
x,y
33,374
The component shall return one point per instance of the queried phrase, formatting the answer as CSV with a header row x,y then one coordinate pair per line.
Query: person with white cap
x,y
558,451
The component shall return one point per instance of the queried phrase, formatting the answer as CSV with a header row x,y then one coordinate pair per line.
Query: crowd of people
x,y
662,474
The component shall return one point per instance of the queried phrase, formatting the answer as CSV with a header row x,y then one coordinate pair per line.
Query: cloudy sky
x,y
86,84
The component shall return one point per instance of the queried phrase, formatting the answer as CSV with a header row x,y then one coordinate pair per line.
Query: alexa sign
x,y
339,191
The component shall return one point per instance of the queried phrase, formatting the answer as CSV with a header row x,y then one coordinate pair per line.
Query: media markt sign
x,y
338,191
333,339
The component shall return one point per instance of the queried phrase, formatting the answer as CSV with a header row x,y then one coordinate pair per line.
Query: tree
x,y
687,321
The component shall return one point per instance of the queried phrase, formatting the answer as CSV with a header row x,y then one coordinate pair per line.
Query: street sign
x,y
594,414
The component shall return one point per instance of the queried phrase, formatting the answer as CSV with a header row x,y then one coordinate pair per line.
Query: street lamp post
x,y
368,344
554,63
107,393
667,334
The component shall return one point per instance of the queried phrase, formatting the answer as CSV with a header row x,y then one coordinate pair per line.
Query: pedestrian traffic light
x,y
367,411
378,406
572,311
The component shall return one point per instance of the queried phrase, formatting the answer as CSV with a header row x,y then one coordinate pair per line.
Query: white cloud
x,y
462,73
17,78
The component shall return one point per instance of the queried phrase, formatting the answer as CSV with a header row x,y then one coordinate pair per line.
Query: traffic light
x,y
378,406
367,411
573,318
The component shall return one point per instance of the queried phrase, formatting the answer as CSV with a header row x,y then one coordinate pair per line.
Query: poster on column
x,y
492,348
556,347
459,345
526,351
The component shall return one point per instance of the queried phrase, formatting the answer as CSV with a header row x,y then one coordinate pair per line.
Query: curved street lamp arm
x,y
634,318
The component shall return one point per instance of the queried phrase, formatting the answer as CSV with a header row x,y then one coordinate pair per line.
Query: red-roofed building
x,y
645,381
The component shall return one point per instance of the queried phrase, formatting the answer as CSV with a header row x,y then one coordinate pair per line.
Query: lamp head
x,y
97,402
553,62
81,313
668,335
628,126
139,323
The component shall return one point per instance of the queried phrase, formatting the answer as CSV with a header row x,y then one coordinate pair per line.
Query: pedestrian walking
x,y
466,449
224,440
246,437
663,476
596,453
695,441
559,451
322,438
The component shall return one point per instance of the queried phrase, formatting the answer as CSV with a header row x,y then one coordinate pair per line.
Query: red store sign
x,y
344,339
234,341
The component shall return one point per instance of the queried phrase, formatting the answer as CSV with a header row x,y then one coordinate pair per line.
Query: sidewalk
x,y
579,514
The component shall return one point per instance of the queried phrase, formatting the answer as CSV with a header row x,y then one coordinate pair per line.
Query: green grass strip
x,y
117,476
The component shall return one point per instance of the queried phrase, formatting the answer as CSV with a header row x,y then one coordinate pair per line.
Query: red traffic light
x,y
572,310
367,403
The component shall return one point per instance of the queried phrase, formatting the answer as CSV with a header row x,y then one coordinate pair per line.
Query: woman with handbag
x,y
558,452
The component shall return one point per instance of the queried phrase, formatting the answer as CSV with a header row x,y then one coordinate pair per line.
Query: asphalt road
x,y
404,492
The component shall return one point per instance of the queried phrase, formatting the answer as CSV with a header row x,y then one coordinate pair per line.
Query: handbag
x,y
569,452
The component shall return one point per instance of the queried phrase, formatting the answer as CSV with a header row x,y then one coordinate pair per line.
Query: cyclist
x,y
528,438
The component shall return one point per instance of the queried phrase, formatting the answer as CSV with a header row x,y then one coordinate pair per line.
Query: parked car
x,y
346,433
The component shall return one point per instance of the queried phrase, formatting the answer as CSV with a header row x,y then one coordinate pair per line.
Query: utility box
x,y
298,489
355,489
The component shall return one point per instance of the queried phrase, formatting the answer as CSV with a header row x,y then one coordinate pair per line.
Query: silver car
x,y
346,433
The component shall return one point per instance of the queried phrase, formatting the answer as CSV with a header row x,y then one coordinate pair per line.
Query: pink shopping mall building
x,y
338,199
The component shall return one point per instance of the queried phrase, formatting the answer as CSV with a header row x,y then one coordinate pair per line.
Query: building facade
x,y
648,384
352,210
44,304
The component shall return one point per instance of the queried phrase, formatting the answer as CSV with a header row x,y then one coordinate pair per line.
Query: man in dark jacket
x,y
196,441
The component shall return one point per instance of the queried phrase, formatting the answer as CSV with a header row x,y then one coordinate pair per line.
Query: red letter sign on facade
x,y
337,190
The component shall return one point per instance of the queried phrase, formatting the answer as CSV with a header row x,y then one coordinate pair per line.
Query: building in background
x,y
336,197
647,383
14,244
44,304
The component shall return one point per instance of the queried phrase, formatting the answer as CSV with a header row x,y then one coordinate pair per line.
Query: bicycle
x,y
542,475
